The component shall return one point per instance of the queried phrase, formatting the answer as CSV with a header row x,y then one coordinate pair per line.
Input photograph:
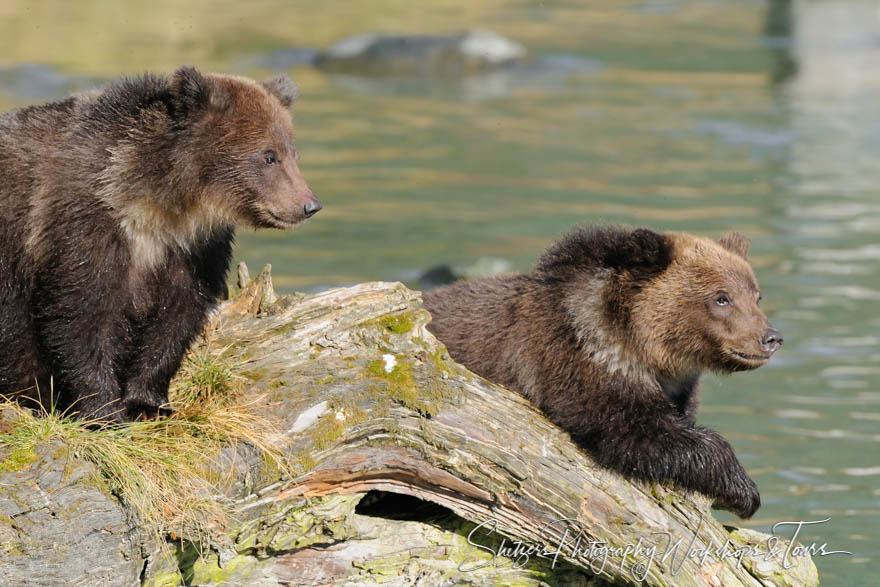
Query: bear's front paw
x,y
146,411
742,498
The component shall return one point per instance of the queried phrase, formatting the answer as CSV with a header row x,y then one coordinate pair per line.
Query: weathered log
x,y
373,410
373,403
59,526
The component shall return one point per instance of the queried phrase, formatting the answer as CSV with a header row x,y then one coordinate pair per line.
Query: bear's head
x,y
701,311
671,305
240,139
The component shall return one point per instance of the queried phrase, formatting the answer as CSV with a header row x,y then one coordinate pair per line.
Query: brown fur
x,y
609,334
119,212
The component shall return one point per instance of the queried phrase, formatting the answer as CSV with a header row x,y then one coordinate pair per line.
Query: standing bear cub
x,y
608,335
118,213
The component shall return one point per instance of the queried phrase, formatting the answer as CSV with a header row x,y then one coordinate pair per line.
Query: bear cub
x,y
119,209
608,335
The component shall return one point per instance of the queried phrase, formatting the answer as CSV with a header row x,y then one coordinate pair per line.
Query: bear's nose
x,y
771,341
312,207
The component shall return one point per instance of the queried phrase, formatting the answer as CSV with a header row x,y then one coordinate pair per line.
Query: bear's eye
x,y
722,301
270,158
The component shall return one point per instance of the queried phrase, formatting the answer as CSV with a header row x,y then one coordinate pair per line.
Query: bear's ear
x,y
735,243
283,88
194,92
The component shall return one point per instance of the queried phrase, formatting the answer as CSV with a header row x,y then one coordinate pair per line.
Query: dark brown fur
x,y
119,208
608,336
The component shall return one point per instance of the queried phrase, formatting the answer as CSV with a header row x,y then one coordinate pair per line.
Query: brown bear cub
x,y
608,335
119,208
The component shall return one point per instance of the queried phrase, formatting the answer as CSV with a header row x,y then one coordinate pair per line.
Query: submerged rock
x,y
469,52
440,275
30,82
541,73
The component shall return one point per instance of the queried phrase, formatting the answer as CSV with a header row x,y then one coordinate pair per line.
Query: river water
x,y
701,116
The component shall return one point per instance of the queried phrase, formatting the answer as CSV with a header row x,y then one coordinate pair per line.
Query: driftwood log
x,y
409,469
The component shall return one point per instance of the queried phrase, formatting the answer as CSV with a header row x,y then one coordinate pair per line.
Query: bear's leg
x,y
82,352
21,372
81,326
163,343
658,445
180,306
193,281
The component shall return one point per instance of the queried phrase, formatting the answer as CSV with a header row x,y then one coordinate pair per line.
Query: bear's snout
x,y
771,341
312,207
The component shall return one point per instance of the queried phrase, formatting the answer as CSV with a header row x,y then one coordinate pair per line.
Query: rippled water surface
x,y
696,116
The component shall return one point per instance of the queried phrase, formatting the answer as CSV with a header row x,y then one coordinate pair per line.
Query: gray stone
x,y
420,54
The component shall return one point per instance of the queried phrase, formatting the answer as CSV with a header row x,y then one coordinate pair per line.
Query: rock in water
x,y
469,52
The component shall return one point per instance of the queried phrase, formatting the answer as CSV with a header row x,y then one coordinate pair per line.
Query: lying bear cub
x,y
608,335
119,209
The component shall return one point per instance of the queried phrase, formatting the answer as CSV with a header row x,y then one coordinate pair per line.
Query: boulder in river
x,y
469,52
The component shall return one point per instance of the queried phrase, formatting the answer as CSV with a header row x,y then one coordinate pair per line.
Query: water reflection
x,y
547,73
778,29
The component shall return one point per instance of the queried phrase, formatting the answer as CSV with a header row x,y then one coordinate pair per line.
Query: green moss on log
x,y
19,458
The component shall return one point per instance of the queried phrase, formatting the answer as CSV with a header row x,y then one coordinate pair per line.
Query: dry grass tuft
x,y
160,468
